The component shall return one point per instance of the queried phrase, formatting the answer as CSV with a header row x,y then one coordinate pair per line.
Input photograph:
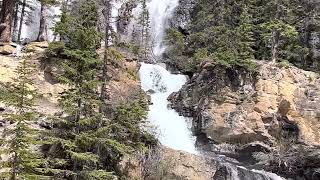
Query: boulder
x,y
7,49
37,46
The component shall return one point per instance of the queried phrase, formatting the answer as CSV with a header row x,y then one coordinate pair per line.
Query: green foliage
x,y
49,2
175,40
226,40
235,33
144,22
73,139
285,64
20,138
128,123
84,143
99,175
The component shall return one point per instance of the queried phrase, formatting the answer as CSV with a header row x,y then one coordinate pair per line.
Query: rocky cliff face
x,y
252,112
178,165
183,14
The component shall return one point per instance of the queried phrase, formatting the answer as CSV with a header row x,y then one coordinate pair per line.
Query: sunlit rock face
x,y
244,107
182,14
250,111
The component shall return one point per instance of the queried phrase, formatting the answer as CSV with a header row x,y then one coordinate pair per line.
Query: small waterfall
x,y
31,22
159,83
160,11
173,129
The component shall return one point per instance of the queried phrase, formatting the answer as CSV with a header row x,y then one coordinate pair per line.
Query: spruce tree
x,y
144,22
223,32
73,145
83,146
20,139
277,27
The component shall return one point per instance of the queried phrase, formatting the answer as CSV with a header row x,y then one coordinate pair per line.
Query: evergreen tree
x,y
21,138
228,38
236,32
144,22
277,27
104,96
73,146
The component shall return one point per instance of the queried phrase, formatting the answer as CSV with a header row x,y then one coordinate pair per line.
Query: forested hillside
x,y
160,89
238,33
93,128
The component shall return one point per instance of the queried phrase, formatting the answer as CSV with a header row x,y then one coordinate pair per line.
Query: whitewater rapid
x,y
174,130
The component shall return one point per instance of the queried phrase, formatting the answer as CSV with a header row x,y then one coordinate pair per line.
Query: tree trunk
x,y
42,36
21,20
14,167
6,20
107,16
275,44
15,22
275,36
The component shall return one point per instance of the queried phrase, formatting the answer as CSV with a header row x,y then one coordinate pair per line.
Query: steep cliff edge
x,y
272,110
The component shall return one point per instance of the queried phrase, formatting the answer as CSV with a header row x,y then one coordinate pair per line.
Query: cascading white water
x,y
160,83
160,11
31,23
173,129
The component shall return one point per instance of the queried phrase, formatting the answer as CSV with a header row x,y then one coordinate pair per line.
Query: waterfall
x,y
174,130
31,22
160,11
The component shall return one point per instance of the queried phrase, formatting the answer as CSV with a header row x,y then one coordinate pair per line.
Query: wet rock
x,y
151,91
182,15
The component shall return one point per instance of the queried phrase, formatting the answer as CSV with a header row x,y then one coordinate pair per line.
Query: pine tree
x,y
277,26
74,153
85,144
144,22
224,32
20,139
104,96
